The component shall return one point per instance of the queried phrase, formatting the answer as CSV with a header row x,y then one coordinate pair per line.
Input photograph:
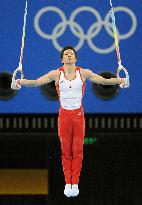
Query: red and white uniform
x,y
71,124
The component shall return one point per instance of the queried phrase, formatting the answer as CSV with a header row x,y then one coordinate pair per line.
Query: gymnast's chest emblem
x,y
61,81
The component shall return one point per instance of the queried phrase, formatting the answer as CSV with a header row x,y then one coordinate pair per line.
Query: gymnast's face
x,y
69,57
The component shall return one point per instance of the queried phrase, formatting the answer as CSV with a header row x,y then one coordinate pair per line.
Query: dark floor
x,y
111,173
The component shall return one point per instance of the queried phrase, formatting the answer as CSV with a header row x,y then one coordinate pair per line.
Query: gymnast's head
x,y
68,55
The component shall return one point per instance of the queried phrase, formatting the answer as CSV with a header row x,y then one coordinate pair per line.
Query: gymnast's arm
x,y
89,75
47,78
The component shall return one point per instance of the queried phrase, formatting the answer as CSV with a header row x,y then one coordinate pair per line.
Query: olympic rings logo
x,y
78,31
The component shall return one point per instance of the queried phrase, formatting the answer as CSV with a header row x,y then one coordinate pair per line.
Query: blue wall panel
x,y
42,52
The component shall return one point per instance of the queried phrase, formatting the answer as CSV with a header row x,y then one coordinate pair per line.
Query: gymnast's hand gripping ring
x,y
126,80
14,86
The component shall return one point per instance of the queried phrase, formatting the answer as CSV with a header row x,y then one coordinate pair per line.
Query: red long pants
x,y
71,131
